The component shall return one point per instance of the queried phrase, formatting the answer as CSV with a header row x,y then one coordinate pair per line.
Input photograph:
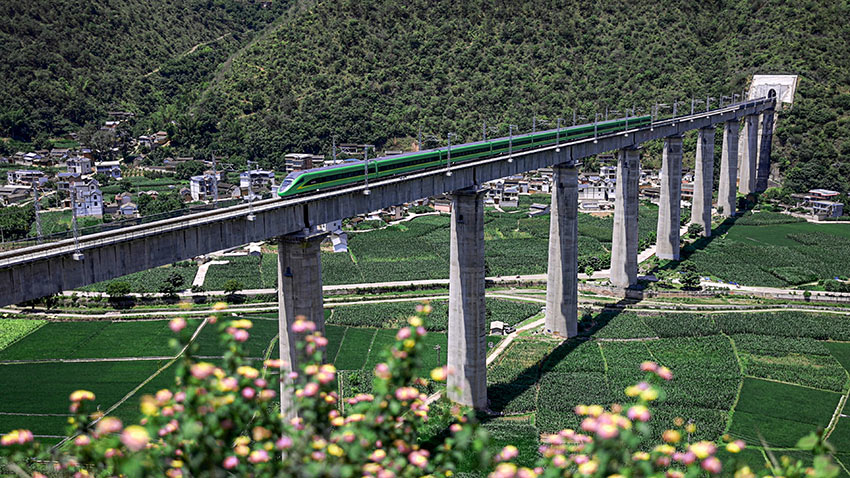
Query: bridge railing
x,y
121,223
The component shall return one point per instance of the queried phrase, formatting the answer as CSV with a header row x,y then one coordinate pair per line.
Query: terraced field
x,y
777,376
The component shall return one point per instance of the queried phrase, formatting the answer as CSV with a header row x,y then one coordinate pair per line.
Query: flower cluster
x,y
221,419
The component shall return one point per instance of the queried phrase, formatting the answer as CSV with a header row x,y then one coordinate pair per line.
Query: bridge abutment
x,y
299,279
467,347
748,155
670,203
562,282
624,244
764,146
727,190
703,180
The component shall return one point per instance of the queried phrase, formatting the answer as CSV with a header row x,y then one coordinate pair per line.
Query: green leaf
x,y
808,442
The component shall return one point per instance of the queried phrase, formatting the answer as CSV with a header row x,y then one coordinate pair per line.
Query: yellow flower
x,y
632,391
414,321
671,436
409,343
649,394
438,374
220,306
640,456
335,450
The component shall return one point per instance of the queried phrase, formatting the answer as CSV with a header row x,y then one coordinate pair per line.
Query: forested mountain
x,y
370,71
65,63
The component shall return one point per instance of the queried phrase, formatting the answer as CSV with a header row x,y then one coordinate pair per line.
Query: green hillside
x,y
371,73
65,63
375,71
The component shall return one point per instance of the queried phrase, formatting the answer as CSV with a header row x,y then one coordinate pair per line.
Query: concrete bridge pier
x,y
467,348
670,202
624,244
299,278
703,180
562,282
748,155
727,195
764,146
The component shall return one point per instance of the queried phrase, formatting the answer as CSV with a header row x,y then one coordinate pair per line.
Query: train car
x,y
331,177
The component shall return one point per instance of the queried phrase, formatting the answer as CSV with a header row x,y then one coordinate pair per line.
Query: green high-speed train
x,y
330,177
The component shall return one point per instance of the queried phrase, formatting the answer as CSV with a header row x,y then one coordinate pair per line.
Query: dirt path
x,y
188,52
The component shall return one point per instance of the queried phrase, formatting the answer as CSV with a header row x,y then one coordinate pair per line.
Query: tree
x,y
232,286
690,280
588,271
694,230
117,290
188,169
171,284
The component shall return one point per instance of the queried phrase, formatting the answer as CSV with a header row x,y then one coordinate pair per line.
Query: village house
x,y
109,168
12,194
87,199
203,187
65,181
302,161
79,165
26,177
256,179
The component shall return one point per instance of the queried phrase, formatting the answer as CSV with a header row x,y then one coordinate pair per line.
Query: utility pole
x,y
419,141
37,216
214,182
77,256
333,139
484,131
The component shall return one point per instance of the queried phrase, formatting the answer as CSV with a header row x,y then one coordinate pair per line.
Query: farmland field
x,y
771,249
152,279
720,363
13,329
419,249
741,374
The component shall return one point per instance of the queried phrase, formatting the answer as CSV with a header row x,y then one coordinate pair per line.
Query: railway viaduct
x,y
47,268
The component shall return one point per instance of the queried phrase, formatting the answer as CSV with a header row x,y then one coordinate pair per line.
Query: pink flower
x,y
108,425
311,389
665,373
418,459
508,453
301,326
135,437
403,333
230,462
240,335
258,456
712,465
639,412
248,393
607,431
82,440
202,370
283,443
382,371
178,324
648,366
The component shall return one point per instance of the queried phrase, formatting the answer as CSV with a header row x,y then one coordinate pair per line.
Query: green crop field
x,y
419,249
744,374
392,314
771,249
150,280
718,360
12,330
